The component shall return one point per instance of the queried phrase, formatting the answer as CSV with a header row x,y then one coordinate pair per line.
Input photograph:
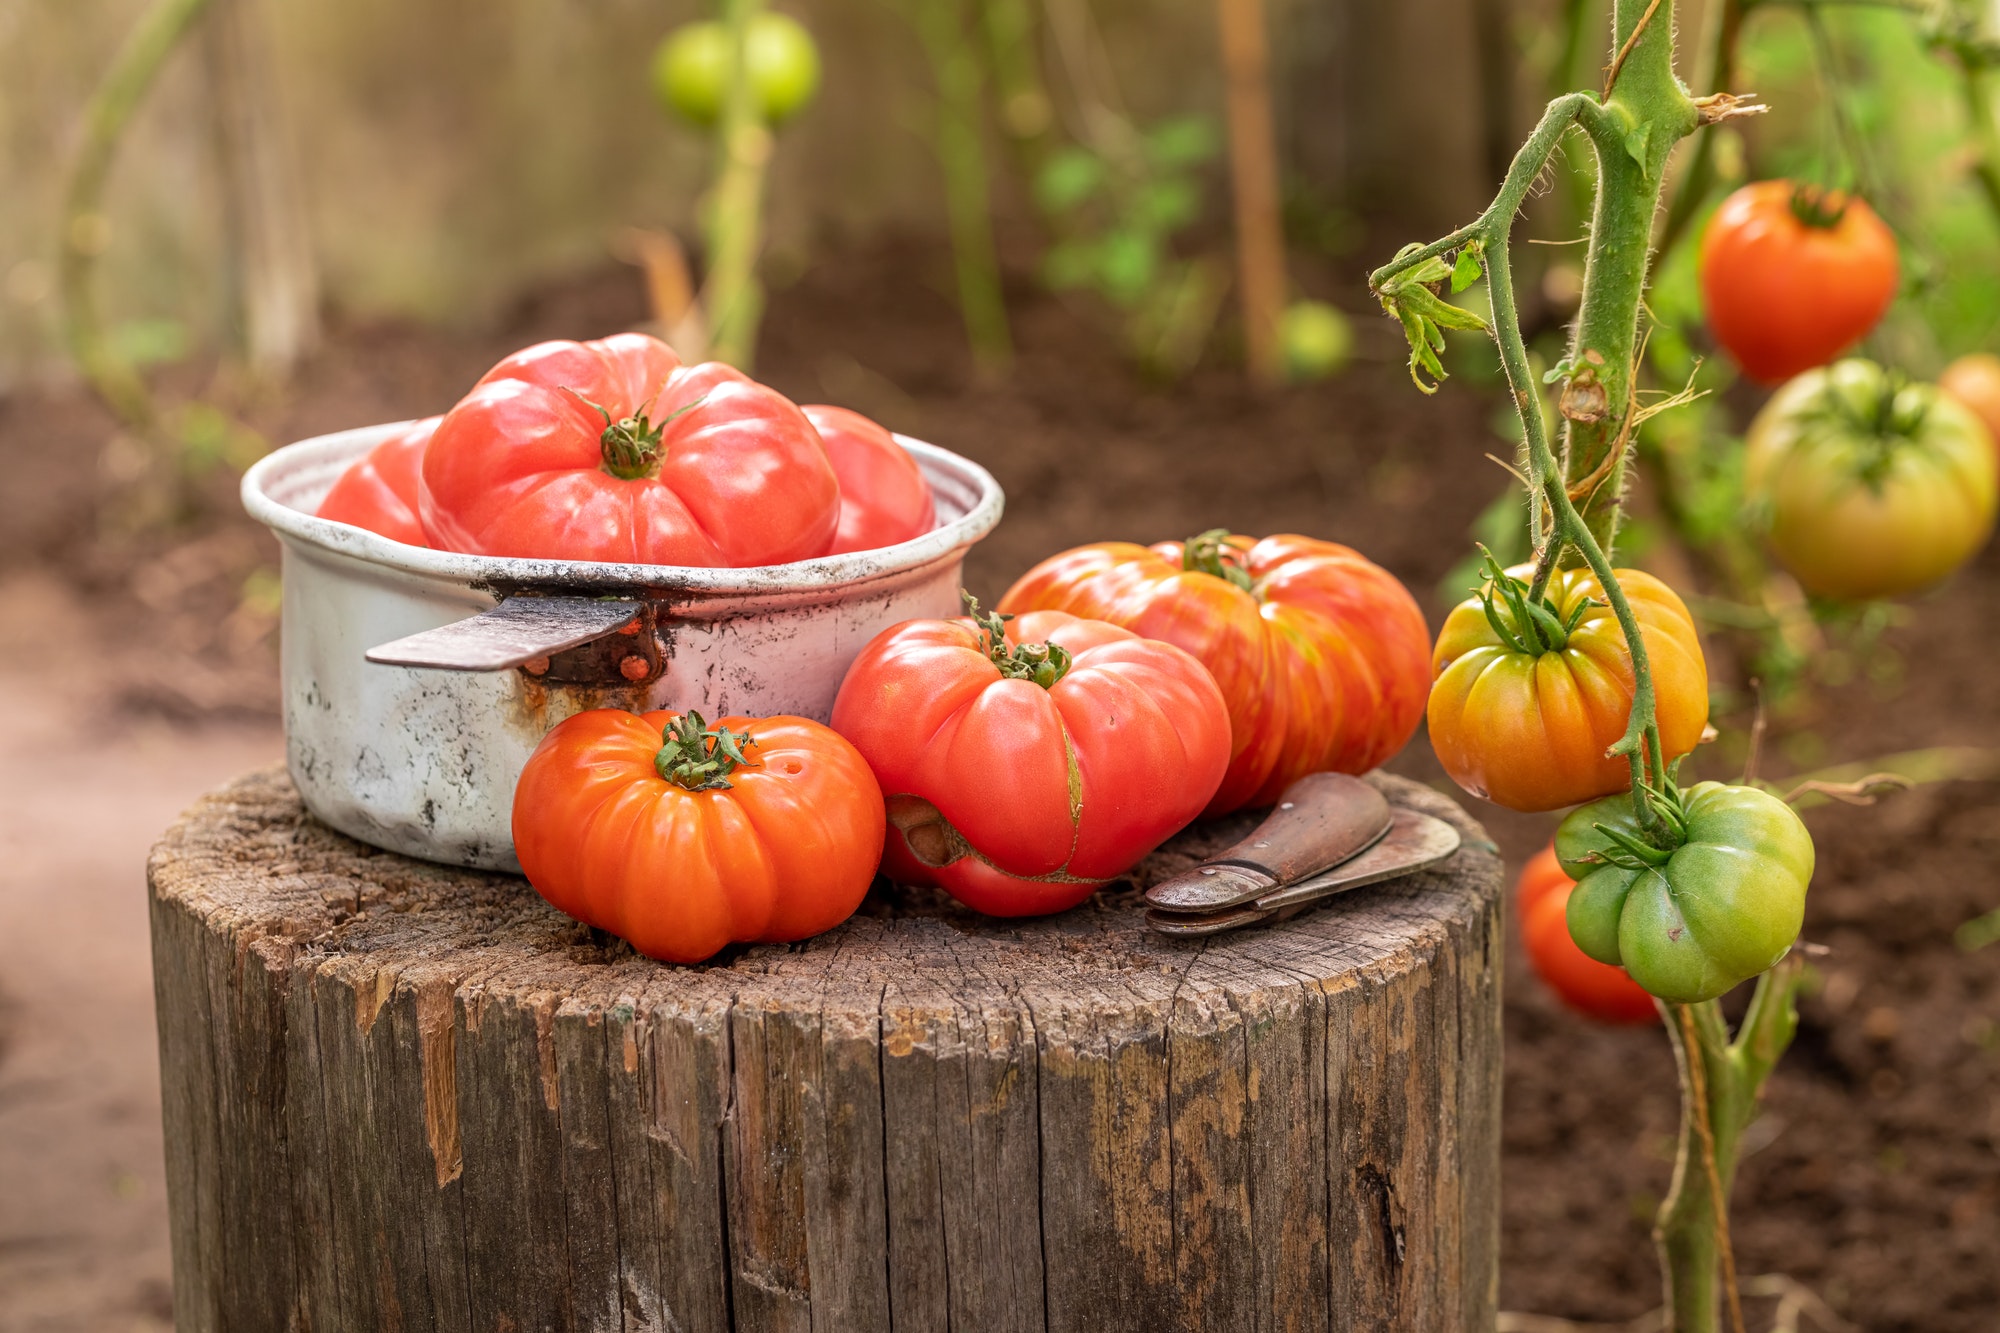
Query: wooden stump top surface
x,y
251,863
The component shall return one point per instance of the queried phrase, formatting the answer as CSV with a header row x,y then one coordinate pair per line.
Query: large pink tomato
x,y
614,451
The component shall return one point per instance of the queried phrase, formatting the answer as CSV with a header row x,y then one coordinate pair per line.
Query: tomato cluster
x,y
613,450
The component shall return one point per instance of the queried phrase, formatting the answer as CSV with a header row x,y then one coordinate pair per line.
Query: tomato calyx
x,y
1819,206
1043,663
697,758
1885,418
1531,625
1211,553
1639,853
631,446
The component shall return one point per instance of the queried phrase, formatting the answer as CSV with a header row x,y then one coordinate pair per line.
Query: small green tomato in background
x,y
1692,922
691,69
1317,340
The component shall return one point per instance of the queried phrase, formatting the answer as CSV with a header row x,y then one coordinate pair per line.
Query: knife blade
x,y
1321,820
1414,842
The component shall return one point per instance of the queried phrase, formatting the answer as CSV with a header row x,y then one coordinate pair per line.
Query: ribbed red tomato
x,y
682,839
1323,656
1791,276
612,450
884,498
1024,767
1593,989
379,490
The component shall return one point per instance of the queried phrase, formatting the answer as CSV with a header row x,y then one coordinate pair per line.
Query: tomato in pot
x,y
884,498
379,490
1593,989
1027,763
1792,275
681,838
1530,694
1872,487
1721,902
614,451
1320,653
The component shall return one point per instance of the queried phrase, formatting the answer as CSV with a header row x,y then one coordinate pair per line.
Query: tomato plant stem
x,y
731,295
959,139
1721,1081
1576,501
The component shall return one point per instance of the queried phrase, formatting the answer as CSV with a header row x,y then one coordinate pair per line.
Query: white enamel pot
x,y
417,682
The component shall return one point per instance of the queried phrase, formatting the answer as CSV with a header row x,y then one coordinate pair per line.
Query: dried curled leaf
x,y
1411,299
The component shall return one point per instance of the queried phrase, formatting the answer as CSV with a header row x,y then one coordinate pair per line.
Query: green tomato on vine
x,y
691,69
1693,920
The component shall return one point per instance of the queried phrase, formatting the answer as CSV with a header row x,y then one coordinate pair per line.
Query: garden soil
x,y
139,635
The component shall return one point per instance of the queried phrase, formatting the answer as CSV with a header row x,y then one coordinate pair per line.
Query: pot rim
x,y
956,483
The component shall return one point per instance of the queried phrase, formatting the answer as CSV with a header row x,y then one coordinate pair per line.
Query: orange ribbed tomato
x,y
1319,652
1525,705
648,826
1593,989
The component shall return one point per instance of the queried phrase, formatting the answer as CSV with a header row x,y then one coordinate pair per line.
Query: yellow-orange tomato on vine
x,y
1529,695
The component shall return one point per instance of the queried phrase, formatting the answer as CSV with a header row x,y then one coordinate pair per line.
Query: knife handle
x,y
1321,820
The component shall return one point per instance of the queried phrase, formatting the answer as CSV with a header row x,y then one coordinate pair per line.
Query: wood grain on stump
x,y
403,1097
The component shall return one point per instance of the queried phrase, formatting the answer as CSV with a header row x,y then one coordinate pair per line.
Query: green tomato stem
x,y
958,136
732,297
1691,1230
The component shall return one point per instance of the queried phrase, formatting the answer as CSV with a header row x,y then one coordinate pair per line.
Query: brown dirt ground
x,y
1876,1179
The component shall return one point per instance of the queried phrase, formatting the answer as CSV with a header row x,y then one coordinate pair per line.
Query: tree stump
x,y
400,1096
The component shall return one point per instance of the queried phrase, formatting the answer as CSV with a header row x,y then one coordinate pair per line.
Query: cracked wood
x,y
401,1096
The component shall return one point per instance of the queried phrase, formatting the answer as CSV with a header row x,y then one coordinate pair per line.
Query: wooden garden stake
x,y
1253,163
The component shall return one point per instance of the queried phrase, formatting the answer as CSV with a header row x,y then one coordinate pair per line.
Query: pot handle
x,y
517,631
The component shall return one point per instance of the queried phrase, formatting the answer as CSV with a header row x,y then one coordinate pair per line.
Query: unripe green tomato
x,y
1874,488
1317,340
1718,910
691,69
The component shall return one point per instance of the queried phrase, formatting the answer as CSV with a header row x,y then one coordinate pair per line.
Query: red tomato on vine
x,y
1593,989
1321,654
1791,276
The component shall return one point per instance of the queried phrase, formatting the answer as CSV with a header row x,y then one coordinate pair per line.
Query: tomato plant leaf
x,y
1637,141
1069,178
1470,268
1183,141
1424,315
